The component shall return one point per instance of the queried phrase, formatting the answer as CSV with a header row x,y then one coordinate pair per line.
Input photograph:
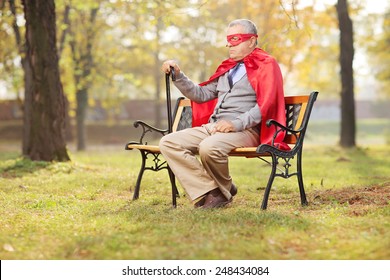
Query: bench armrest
x,y
147,129
279,128
282,127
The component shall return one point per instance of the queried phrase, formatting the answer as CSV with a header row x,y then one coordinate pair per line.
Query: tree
x,y
14,74
348,119
44,114
83,64
379,50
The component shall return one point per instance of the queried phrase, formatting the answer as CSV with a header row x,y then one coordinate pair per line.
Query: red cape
x,y
266,79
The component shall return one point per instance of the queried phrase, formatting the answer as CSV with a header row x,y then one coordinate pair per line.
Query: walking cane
x,y
175,192
168,92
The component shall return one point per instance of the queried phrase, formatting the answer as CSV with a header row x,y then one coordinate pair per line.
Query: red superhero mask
x,y
236,39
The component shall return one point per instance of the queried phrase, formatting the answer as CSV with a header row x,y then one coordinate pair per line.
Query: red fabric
x,y
266,79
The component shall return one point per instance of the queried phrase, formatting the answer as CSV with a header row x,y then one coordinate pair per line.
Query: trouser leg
x,y
213,152
180,149
198,178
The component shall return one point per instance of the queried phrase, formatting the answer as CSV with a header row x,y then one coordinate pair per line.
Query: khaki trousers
x,y
212,171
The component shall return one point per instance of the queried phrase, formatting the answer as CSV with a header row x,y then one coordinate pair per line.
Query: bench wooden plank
x,y
150,148
245,152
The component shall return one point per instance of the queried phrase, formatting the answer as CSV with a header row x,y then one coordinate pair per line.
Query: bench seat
x,y
237,152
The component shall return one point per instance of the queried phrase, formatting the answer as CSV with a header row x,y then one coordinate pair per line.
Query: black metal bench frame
x,y
298,110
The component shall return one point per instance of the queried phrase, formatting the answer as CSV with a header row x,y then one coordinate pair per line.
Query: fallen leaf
x,y
8,248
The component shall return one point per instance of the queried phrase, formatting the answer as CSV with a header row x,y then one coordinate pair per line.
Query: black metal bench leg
x,y
270,181
175,192
300,180
140,174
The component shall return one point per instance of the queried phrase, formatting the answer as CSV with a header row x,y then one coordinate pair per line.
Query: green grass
x,y
83,210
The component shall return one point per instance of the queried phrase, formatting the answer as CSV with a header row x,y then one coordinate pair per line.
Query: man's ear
x,y
253,42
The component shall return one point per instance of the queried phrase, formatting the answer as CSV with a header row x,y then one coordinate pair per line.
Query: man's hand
x,y
168,64
223,126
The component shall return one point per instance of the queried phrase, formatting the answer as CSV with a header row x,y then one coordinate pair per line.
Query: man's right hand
x,y
170,63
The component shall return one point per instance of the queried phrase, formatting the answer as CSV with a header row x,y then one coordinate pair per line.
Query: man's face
x,y
238,52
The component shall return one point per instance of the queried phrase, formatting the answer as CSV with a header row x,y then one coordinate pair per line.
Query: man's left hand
x,y
223,126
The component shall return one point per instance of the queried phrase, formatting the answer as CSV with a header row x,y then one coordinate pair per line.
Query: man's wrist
x,y
238,125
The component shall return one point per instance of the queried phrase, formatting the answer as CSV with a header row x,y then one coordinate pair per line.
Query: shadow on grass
x,y
357,159
17,166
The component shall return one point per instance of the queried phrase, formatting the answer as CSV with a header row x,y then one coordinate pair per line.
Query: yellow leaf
x,y
8,248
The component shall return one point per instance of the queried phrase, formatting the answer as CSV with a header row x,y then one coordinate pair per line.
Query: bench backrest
x,y
182,117
298,110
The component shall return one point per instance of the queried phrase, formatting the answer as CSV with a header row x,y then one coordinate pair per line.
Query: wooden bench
x,y
298,110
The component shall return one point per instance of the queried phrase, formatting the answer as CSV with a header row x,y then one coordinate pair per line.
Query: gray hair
x,y
248,25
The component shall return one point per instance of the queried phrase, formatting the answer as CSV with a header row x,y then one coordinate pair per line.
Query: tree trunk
x,y
26,105
157,76
61,44
348,119
83,64
81,111
157,82
44,101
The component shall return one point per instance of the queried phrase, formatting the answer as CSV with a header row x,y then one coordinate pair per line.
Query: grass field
x,y
83,209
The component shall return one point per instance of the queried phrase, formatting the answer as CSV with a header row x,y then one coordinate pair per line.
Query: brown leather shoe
x,y
200,202
215,199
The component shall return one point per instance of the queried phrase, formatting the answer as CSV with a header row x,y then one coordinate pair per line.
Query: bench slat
x,y
150,148
246,152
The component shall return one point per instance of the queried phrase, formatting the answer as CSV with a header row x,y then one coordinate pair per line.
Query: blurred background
x,y
110,53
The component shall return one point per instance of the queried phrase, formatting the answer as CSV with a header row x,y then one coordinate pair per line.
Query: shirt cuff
x,y
238,125
180,76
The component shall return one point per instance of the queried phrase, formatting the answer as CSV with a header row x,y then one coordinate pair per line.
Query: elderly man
x,y
228,110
